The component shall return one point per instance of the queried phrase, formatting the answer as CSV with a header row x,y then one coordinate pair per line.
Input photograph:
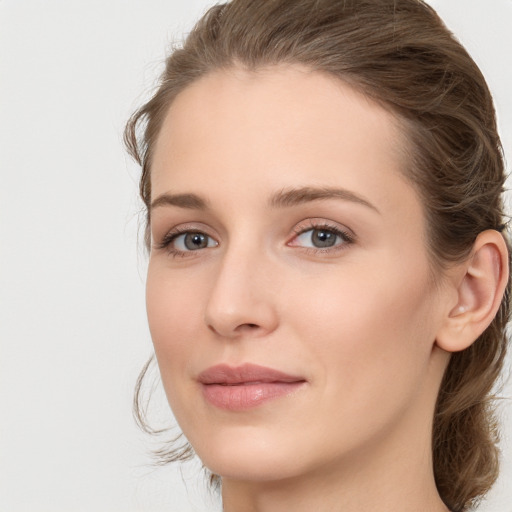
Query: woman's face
x,y
284,236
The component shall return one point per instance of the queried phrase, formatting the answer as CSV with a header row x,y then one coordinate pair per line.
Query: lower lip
x,y
241,397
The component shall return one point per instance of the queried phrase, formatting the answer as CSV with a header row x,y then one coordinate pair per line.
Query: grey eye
x,y
322,238
192,241
319,238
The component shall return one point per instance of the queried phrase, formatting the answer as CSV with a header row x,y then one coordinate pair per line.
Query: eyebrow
x,y
285,198
188,201
295,196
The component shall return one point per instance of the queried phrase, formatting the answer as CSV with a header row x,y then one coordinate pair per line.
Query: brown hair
x,y
399,53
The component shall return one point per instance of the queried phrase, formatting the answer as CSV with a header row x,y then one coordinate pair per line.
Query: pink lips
x,y
246,386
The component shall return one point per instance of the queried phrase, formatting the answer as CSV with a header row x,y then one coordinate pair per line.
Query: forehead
x,y
277,127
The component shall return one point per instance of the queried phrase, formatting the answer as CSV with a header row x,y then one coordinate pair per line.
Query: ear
x,y
481,283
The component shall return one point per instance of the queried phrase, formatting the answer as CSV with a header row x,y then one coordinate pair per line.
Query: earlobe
x,y
479,293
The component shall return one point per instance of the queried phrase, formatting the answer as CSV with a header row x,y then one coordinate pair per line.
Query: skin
x,y
358,320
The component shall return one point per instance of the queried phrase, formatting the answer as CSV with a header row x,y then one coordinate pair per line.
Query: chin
x,y
249,455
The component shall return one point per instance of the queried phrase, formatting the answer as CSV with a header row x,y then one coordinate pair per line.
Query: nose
x,y
242,300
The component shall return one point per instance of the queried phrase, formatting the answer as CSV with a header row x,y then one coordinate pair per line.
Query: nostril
x,y
238,330
247,327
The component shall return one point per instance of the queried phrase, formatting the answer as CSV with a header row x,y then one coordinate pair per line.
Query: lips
x,y
247,386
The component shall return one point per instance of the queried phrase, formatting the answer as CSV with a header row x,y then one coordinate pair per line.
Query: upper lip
x,y
243,374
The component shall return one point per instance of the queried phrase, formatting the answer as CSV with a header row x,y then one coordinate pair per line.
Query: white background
x,y
73,332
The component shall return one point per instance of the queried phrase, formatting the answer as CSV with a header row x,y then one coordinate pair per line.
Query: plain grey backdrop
x,y
73,332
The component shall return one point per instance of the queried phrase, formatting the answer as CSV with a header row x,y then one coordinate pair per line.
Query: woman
x,y
328,280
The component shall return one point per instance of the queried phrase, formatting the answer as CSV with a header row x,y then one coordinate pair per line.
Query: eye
x,y
321,237
181,242
192,241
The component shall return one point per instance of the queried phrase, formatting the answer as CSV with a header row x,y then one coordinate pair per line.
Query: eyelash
x,y
346,237
170,237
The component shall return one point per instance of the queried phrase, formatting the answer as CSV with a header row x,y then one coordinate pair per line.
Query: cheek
x,y
369,330
172,309
174,322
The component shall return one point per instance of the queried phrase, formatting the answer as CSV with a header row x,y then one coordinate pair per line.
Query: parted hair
x,y
400,54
